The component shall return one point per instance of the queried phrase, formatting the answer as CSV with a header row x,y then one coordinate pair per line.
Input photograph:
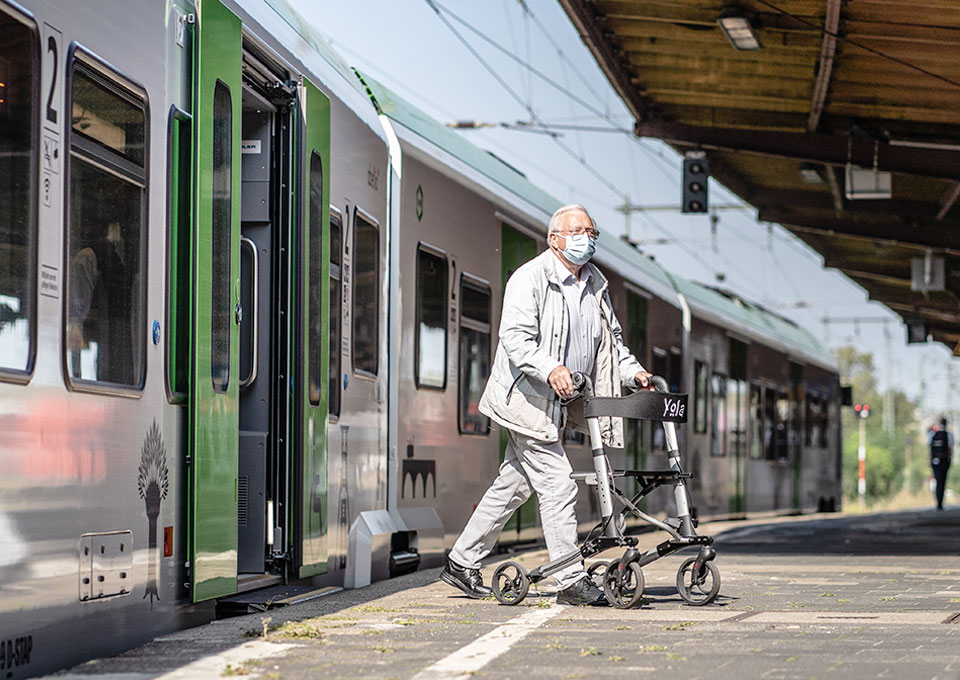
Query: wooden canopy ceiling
x,y
873,83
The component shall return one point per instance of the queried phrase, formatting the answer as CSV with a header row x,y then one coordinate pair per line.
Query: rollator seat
x,y
665,407
657,477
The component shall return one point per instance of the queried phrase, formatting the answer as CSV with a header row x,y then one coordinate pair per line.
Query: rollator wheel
x,y
596,572
510,583
623,587
698,590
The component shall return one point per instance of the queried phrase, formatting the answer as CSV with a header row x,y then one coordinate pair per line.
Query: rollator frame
x,y
698,580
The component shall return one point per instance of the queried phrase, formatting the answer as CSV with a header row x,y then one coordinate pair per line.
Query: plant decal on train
x,y
153,485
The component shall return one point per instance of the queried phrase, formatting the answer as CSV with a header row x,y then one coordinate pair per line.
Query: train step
x,y
269,598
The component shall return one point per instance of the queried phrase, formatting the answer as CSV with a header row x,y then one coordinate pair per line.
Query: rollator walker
x,y
698,579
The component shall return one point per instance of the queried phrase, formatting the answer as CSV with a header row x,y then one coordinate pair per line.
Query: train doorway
x,y
260,316
266,300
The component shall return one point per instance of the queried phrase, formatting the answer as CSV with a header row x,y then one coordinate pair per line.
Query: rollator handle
x,y
579,379
660,383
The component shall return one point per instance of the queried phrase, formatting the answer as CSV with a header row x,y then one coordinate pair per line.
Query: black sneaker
x,y
467,580
583,593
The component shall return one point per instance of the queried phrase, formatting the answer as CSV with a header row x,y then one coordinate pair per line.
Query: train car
x,y
467,221
248,302
166,248
765,428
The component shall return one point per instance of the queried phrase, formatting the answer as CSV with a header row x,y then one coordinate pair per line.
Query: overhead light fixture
x,y
811,174
736,26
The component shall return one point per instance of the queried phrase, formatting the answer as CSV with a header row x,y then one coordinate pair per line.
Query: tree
x,y
887,452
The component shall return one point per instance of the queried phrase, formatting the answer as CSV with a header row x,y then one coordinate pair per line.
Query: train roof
x,y
756,322
613,252
286,32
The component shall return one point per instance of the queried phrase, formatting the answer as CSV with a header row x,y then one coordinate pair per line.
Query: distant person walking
x,y
941,448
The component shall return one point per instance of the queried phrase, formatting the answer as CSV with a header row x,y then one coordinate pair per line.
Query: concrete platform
x,y
823,596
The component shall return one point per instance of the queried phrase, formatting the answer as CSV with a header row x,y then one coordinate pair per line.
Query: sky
x,y
510,61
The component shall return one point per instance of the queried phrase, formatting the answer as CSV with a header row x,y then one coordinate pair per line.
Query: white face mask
x,y
580,248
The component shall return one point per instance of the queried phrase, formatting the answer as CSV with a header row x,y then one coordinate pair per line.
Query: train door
x,y
516,248
313,334
738,409
214,386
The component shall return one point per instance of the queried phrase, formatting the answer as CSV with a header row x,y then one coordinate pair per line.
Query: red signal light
x,y
857,407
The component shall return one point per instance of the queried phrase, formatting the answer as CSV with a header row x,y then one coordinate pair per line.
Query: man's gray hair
x,y
554,226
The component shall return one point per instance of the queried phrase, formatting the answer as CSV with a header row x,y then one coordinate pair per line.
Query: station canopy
x,y
839,119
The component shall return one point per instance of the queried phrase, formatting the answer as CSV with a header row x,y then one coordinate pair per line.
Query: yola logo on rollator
x,y
673,408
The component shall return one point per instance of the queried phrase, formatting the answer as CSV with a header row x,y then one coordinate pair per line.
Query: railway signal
x,y
863,412
696,172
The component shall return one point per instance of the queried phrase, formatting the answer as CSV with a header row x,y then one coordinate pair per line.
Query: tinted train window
x,y
770,424
737,415
797,398
315,269
105,233
366,296
220,266
179,235
718,419
757,426
825,405
474,354
700,378
658,366
18,210
812,435
336,245
783,426
431,329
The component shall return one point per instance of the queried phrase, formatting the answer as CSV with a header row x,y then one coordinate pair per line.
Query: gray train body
x,y
99,537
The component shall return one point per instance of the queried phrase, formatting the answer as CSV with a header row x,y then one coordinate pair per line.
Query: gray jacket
x,y
533,338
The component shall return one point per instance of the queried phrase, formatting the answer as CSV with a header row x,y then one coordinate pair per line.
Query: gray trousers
x,y
529,465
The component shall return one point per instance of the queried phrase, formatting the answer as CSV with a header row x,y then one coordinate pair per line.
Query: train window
x,y
757,426
635,332
179,230
18,211
825,405
431,328
797,394
315,269
221,231
718,419
783,426
366,296
812,432
737,415
770,424
106,233
658,366
336,246
675,371
700,398
474,353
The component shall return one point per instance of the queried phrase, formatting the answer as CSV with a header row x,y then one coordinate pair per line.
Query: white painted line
x,y
469,659
204,668
850,618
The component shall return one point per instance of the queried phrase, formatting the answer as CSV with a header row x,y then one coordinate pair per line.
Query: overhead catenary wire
x,y
441,10
513,93
418,96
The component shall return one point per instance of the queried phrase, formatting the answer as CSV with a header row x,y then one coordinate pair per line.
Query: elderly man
x,y
557,319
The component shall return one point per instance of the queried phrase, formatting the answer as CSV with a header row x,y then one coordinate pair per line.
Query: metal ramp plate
x,y
269,598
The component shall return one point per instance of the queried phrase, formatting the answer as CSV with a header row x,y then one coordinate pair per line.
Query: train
x,y
249,298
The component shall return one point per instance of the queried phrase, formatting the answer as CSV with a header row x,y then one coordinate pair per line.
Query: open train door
x,y
313,333
214,420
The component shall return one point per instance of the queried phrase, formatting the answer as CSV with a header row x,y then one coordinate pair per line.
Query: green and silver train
x,y
248,303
